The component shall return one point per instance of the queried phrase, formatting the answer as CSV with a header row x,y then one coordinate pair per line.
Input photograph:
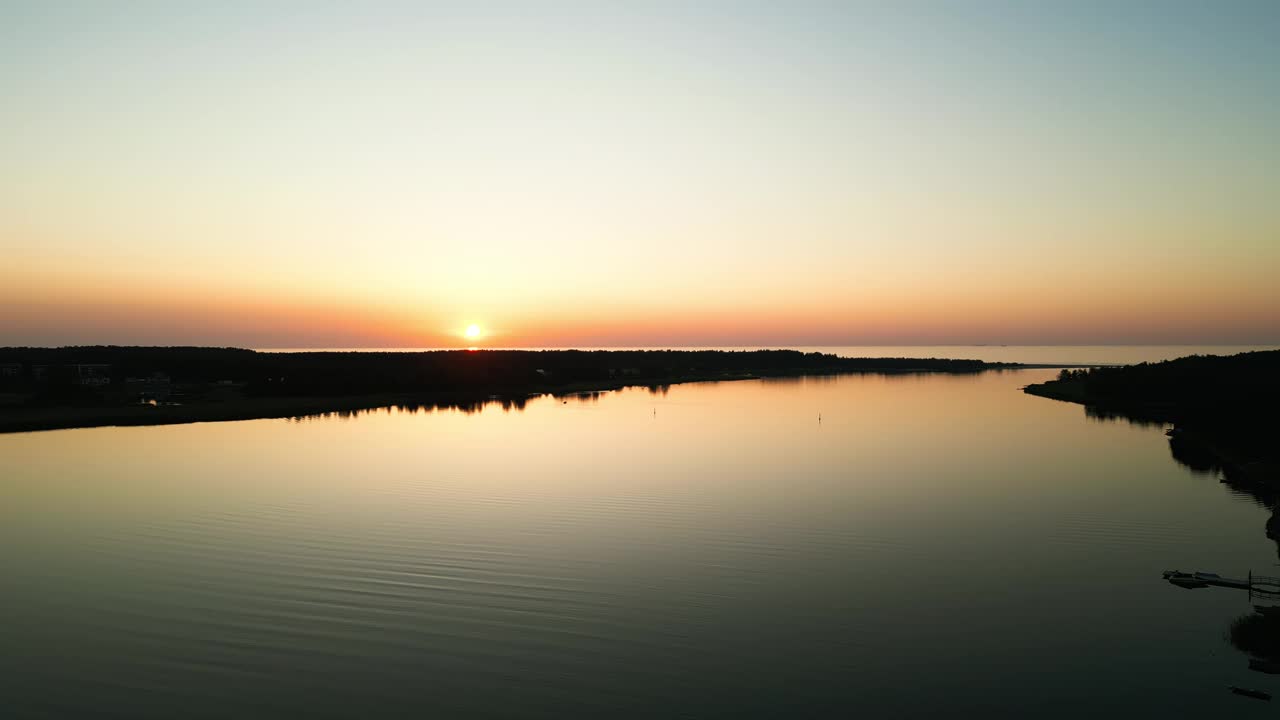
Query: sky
x,y
287,174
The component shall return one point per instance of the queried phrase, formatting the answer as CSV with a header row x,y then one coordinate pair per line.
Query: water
x,y
936,544
1046,354
1030,354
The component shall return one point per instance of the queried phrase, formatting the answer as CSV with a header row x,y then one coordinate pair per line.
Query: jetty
x,y
1257,585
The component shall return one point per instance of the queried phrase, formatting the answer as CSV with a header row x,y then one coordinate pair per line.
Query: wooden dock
x,y
1261,585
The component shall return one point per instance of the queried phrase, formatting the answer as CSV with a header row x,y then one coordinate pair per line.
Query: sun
x,y
472,332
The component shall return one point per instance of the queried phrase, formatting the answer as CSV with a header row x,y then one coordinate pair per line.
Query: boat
x,y
1250,692
1204,579
1185,579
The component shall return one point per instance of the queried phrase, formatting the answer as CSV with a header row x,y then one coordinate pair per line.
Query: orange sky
x,y
608,177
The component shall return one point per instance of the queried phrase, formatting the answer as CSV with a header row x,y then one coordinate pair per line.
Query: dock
x,y
1260,585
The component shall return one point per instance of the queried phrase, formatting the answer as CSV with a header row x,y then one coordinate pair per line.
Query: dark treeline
x,y
1198,387
1225,409
262,374
187,363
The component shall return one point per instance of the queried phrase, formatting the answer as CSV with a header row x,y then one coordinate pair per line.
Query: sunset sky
x,y
272,174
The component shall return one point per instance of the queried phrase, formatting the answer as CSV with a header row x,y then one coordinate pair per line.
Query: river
x,y
901,546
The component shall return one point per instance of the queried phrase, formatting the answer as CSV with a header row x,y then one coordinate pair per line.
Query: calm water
x,y
937,544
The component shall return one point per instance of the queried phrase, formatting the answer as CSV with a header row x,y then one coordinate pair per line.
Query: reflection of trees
x,y
1253,477
1104,415
507,403
584,396
1257,635
1193,455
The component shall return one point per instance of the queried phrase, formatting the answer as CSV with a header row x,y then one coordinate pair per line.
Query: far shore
x,y
65,418
18,420
108,385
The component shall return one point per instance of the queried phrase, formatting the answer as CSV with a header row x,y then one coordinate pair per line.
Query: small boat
x,y
1249,692
1204,579
1185,579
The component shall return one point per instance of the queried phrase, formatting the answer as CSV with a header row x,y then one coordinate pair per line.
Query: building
x,y
91,374
154,388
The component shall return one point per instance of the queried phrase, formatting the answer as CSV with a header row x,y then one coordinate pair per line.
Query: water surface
x,y
1029,354
934,544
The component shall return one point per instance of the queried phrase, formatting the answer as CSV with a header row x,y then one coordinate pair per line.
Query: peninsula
x,y
1222,408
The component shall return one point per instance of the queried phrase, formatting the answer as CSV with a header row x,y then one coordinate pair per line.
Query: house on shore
x,y
93,374
154,388
90,374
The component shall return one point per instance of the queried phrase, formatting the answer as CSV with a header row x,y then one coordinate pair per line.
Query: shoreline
x,y
1206,444
1074,392
41,419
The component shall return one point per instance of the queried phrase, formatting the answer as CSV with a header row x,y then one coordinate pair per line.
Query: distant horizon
x,y
808,345
748,346
1234,347
1035,355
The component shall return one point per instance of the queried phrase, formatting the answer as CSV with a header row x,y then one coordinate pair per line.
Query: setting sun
x,y
776,298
